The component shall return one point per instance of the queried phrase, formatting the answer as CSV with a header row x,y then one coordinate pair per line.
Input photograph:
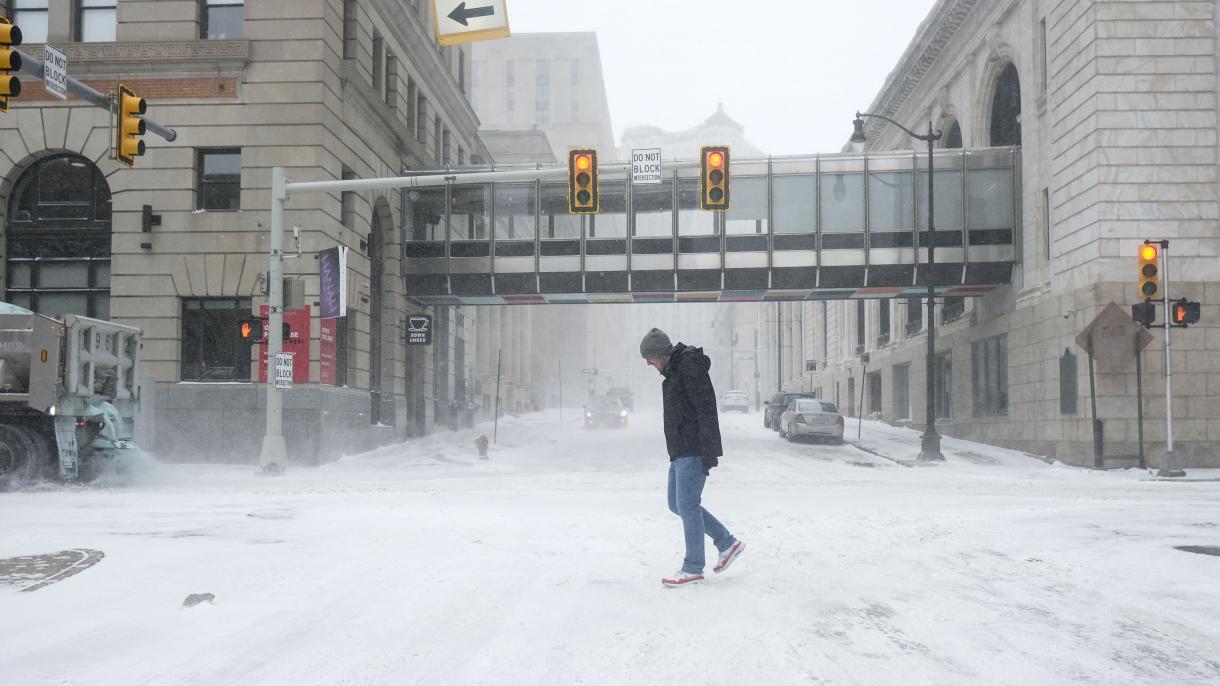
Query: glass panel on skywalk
x,y
556,222
652,209
515,211
427,214
747,212
693,221
989,198
470,212
948,199
795,199
842,203
612,221
891,201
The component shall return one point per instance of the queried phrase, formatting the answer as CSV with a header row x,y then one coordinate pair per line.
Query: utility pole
x,y
779,347
273,457
1170,465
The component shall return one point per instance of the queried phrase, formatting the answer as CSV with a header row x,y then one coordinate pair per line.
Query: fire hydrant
x,y
481,444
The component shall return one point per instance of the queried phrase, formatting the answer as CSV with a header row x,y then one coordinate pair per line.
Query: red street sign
x,y
297,342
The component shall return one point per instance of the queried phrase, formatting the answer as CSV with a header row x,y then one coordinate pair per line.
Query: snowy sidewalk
x,y
901,445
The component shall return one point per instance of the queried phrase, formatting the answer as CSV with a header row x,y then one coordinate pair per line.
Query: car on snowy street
x,y
776,406
809,417
735,401
607,412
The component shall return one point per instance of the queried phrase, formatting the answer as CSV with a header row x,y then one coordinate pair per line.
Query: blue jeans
x,y
686,479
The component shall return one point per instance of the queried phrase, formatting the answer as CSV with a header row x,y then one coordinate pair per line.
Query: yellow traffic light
x,y
127,145
583,196
10,61
1150,272
714,177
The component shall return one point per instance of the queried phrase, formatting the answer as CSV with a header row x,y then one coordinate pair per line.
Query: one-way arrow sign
x,y
464,21
460,14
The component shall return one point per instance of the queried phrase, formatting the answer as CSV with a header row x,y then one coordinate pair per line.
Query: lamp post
x,y
929,450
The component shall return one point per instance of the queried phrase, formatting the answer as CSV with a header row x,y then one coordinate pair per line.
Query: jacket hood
x,y
685,354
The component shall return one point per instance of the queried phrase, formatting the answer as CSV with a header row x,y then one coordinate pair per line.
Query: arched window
x,y
1006,109
953,137
59,239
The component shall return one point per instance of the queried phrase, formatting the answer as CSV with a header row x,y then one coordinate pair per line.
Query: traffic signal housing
x,y
1184,313
10,61
583,195
1144,314
714,177
127,145
1150,271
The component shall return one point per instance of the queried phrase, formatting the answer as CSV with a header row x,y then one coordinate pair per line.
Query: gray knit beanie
x,y
655,344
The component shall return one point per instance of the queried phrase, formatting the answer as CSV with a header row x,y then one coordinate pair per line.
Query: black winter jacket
x,y
692,426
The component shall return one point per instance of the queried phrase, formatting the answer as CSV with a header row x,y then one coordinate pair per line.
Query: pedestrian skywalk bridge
x,y
799,228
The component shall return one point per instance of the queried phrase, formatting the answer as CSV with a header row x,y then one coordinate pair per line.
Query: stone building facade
x,y
1113,105
327,89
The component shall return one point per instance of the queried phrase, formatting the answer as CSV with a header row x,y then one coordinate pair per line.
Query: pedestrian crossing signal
x,y
1150,271
714,177
583,196
1184,313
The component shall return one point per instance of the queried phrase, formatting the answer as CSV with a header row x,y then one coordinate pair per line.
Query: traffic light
x,y
1144,314
10,61
127,144
714,177
1183,313
1150,271
583,197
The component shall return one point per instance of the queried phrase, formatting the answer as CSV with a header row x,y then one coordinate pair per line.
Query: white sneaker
x,y
681,578
727,557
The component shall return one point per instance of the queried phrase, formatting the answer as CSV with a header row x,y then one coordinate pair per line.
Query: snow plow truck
x,y
68,396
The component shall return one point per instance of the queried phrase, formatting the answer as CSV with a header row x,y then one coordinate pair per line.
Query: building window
x,y
379,64
437,134
33,18
411,95
1046,220
347,201
953,138
391,80
212,348
59,238
446,148
883,311
1043,76
1067,382
542,93
859,326
902,391
943,381
219,179
1006,109
351,26
421,120
222,19
952,310
96,21
990,363
874,393
461,156
461,70
914,316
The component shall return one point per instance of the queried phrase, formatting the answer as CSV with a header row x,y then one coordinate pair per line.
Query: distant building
x,y
551,82
518,147
718,129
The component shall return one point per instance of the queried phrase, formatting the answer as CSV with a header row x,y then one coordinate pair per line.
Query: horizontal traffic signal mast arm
x,y
32,66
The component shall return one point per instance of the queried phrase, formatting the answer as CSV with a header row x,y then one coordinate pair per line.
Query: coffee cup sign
x,y
419,329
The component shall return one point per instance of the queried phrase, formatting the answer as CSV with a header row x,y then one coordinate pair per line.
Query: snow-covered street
x,y
420,564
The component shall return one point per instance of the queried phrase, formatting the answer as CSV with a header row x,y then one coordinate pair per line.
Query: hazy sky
x,y
793,72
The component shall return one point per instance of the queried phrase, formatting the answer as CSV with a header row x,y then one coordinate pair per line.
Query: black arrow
x,y
460,14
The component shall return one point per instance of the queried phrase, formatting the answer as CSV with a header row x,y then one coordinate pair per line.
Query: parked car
x,y
775,407
809,417
734,401
607,412
624,396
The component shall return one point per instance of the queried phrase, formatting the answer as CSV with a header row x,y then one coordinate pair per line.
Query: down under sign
x,y
465,21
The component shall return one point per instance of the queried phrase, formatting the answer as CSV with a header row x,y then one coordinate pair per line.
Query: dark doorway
x,y
1006,109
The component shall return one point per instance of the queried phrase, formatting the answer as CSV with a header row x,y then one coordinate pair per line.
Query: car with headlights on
x,y
606,412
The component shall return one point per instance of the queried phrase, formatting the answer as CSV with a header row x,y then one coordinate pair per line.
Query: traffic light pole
x,y
273,458
1171,466
33,67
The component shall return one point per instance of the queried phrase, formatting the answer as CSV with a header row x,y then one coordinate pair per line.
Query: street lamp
x,y
929,450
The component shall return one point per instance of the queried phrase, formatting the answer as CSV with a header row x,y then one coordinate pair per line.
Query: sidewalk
x,y
901,445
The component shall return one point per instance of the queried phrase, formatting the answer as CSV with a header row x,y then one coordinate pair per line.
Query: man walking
x,y
692,435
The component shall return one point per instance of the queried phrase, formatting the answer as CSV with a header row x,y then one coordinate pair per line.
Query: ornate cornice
x,y
931,40
210,56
